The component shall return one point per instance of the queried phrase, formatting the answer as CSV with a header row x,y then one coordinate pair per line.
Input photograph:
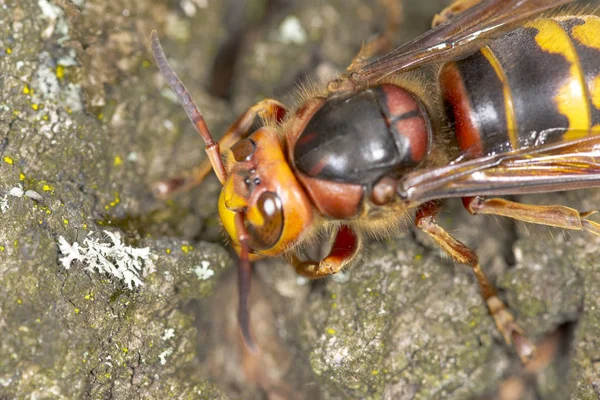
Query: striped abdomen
x,y
536,84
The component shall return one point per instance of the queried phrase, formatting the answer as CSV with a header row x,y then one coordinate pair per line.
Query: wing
x,y
560,166
449,40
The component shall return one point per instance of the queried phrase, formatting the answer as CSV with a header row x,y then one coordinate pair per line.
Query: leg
x,y
459,252
558,216
243,127
344,250
383,42
457,7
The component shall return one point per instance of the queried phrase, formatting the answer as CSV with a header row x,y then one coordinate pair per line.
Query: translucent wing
x,y
449,40
558,166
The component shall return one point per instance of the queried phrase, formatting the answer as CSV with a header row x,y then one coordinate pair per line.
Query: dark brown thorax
x,y
351,142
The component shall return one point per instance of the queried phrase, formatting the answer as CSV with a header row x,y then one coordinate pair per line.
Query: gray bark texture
x,y
87,125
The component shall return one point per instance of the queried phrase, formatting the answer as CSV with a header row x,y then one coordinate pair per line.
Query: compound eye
x,y
268,234
243,150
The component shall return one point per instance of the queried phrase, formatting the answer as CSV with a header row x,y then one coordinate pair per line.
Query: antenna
x,y
190,107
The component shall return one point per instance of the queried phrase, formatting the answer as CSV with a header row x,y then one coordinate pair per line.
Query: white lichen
x,y
291,31
4,204
163,356
203,272
340,277
16,192
169,334
113,257
32,194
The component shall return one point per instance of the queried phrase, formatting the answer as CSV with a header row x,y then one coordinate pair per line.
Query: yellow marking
x,y
588,34
595,92
572,98
509,107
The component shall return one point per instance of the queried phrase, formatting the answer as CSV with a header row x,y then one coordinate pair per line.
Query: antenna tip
x,y
154,34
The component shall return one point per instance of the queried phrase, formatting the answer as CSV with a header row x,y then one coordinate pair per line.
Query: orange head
x,y
261,185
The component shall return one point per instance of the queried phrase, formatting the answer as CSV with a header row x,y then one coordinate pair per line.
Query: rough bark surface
x,y
87,125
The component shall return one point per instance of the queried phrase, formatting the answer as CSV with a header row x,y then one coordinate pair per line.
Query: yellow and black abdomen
x,y
536,84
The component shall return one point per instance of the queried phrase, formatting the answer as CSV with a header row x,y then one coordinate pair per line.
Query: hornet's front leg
x,y
245,125
345,249
509,329
383,42
379,45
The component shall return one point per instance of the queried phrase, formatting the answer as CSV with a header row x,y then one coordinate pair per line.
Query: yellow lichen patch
x,y
19,301
116,201
8,160
331,331
21,177
168,251
9,51
35,106
26,89
571,100
185,249
47,188
77,310
374,372
146,64
588,34
100,116
66,221
60,72
1,248
117,161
